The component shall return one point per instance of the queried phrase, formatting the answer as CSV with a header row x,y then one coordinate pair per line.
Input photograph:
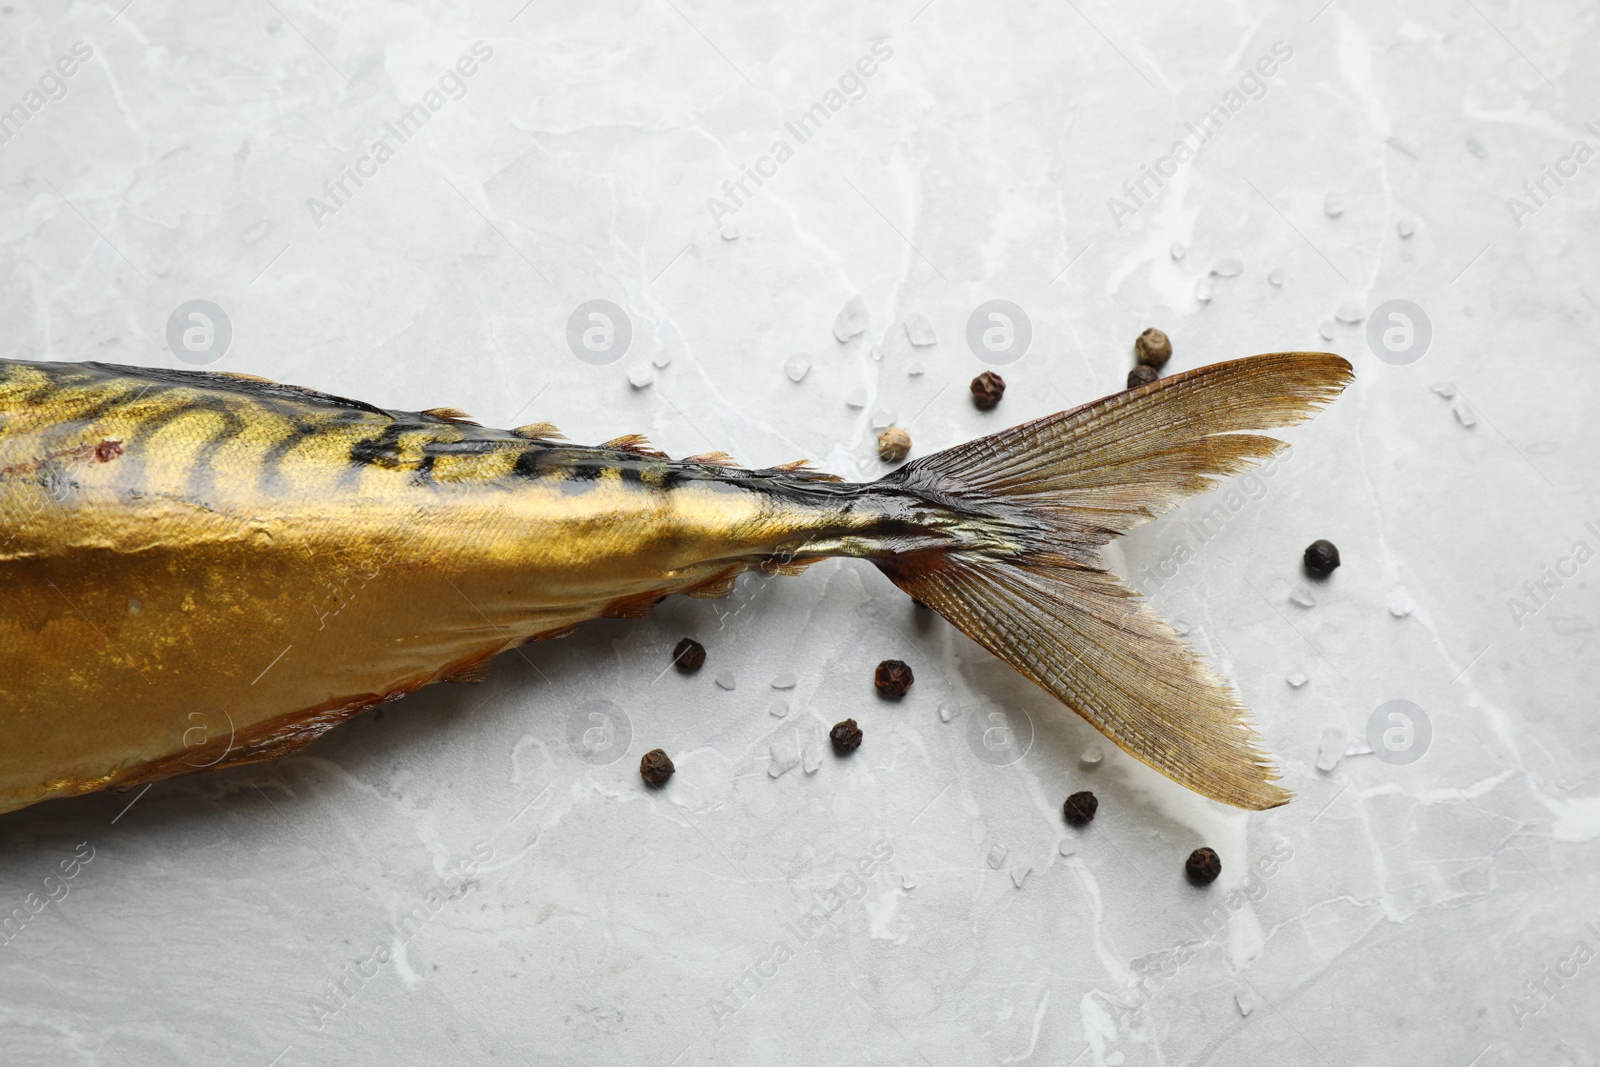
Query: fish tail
x,y
1020,573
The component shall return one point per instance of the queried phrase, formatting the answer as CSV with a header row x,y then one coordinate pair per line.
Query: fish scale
x,y
202,570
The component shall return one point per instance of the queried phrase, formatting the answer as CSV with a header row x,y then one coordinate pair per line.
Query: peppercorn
x,y
1142,374
1321,558
1079,808
987,389
1153,348
892,678
689,656
893,444
846,737
1203,866
655,768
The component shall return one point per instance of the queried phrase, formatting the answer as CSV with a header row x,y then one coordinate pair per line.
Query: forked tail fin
x,y
1029,586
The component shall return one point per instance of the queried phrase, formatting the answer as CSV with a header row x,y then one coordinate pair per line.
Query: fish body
x,y
201,570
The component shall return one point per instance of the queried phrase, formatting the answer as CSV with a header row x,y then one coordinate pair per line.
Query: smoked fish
x,y
202,570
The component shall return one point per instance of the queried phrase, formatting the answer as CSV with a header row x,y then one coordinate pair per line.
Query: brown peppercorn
x,y
689,656
1321,558
893,444
893,678
1079,808
846,737
655,768
987,389
1203,866
1153,348
1142,374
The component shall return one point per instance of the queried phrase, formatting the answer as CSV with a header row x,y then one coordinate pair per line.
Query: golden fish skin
x,y
202,570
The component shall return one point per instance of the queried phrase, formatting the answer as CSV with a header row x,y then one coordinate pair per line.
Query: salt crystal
x,y
1332,205
1445,389
1325,328
1407,225
881,419
916,370
1019,873
1177,250
812,759
725,680
1231,267
1464,414
778,708
997,856
947,712
1331,749
1400,603
857,398
1275,276
1116,1059
1202,291
784,681
1246,1002
1297,679
641,375
798,366
661,358
1092,755
1180,627
728,231
1303,597
785,754
1067,847
906,882
920,331
1350,312
852,320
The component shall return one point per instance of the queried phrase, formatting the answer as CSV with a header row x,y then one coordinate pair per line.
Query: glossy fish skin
x,y
202,570
188,559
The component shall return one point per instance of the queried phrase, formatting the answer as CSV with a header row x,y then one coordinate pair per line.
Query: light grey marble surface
x,y
561,914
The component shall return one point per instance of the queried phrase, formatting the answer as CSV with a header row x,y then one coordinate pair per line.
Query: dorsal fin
x,y
636,443
802,468
451,415
712,459
243,377
539,431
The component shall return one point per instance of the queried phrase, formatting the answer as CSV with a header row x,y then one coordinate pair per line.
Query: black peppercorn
x,y
846,737
1203,866
892,678
1143,374
987,389
1080,808
689,656
655,768
1153,348
1321,558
